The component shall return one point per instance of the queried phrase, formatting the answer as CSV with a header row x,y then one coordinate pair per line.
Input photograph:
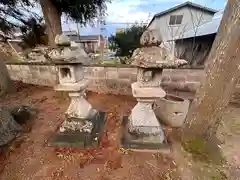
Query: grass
x,y
205,151
114,61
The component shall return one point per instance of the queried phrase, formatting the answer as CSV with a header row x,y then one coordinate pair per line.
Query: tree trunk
x,y
6,85
52,19
220,78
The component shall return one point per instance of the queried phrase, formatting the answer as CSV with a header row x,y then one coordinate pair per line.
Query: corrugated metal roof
x,y
210,27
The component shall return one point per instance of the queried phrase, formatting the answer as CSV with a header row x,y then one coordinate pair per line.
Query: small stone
x,y
62,129
68,53
9,128
62,40
151,37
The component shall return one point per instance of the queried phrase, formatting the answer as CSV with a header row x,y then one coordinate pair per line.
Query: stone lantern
x,y
142,128
82,125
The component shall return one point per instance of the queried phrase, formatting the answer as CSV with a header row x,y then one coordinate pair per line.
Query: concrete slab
x,y
82,140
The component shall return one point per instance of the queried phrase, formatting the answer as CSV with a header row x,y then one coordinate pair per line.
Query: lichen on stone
x,y
151,55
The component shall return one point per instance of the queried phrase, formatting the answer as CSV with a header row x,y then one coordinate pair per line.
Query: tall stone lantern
x,y
142,128
83,124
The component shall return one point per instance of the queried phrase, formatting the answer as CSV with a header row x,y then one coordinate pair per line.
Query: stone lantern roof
x,y
152,55
64,51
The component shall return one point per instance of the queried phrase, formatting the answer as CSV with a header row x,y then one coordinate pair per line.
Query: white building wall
x,y
192,18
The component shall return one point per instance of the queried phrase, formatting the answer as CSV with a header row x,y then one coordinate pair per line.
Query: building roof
x,y
208,28
90,37
189,4
70,33
82,38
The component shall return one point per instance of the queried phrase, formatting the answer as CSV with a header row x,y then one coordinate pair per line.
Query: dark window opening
x,y
175,19
65,72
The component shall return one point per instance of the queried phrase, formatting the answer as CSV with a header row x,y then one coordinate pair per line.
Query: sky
x,y
120,12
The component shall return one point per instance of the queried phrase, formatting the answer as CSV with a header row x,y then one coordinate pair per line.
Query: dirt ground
x,y
30,157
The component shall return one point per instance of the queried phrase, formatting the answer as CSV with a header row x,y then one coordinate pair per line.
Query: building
x,y
73,35
174,22
91,43
195,46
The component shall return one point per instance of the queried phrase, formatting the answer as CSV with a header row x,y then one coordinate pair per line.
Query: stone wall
x,y
103,79
114,79
184,80
107,79
44,75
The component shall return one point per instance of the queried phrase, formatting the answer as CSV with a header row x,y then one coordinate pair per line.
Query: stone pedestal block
x,y
79,106
144,130
144,122
80,133
143,119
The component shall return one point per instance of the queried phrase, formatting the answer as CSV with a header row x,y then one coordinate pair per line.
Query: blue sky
x,y
122,11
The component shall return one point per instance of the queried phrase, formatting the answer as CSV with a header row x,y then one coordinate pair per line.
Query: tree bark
x,y
6,85
221,75
52,19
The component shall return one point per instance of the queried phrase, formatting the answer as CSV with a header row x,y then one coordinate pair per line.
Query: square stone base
x,y
139,142
77,139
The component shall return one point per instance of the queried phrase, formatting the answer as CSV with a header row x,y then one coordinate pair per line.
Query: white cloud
x,y
123,11
128,11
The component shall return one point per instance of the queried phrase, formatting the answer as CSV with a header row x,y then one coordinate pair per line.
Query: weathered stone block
x,y
235,98
191,86
112,84
195,78
15,67
89,72
53,70
173,85
123,75
99,72
9,67
101,86
133,78
111,73
178,78
166,79
43,69
35,74
25,71
34,68
126,73
147,92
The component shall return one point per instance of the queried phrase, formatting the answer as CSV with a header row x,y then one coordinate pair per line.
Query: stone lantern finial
x,y
62,40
